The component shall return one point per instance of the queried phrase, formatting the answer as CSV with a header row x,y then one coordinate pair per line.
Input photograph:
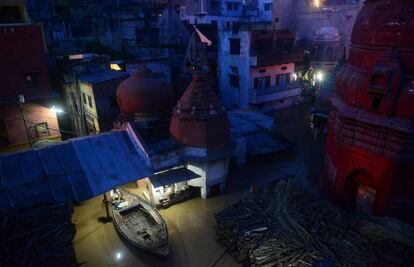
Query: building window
x,y
90,101
234,46
39,130
234,80
282,79
268,6
234,69
232,6
262,44
84,98
283,68
276,20
376,102
90,124
262,82
31,80
214,5
262,70
285,46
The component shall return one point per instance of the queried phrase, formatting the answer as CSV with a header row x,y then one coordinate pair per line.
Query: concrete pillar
x,y
205,192
223,187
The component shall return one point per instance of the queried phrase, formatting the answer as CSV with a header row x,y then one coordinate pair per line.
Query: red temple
x,y
199,118
370,146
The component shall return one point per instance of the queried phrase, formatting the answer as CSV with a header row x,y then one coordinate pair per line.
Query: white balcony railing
x,y
268,94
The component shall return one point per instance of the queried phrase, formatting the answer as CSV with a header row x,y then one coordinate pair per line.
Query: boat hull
x,y
141,225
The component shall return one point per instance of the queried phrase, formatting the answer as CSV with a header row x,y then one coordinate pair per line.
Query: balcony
x,y
276,57
269,94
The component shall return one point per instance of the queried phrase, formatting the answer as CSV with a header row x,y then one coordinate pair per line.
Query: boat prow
x,y
141,224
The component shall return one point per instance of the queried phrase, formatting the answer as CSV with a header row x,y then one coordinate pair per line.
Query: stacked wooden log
x,y
37,237
284,224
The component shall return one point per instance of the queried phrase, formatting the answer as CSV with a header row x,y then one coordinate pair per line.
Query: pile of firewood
x,y
37,237
285,224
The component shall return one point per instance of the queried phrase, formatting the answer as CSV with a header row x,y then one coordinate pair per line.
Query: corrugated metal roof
x,y
103,76
74,170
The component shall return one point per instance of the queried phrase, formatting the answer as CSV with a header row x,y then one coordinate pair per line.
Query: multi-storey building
x,y
248,76
325,49
26,95
89,85
223,12
257,67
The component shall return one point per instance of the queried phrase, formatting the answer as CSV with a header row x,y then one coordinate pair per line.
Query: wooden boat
x,y
140,223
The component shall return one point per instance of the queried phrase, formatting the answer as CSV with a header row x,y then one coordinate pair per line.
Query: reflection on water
x,y
191,224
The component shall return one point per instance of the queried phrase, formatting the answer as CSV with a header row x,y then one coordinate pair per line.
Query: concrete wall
x,y
91,112
212,173
242,65
232,13
34,113
22,51
234,97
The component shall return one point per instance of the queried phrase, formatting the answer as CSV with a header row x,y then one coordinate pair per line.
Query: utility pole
x,y
20,105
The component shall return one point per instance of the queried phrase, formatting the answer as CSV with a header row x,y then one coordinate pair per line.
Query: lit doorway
x,y
359,196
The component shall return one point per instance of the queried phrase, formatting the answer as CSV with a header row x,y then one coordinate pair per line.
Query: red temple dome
x,y
369,147
199,118
377,76
144,92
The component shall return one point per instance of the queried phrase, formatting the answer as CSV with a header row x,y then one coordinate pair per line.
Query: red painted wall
x,y
22,51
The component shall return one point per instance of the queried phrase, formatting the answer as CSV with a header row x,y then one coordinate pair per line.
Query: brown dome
x,y
144,92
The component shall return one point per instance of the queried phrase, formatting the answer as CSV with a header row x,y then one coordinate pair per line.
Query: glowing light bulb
x,y
56,110
319,76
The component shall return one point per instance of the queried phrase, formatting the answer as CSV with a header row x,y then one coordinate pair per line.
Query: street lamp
x,y
56,110
319,76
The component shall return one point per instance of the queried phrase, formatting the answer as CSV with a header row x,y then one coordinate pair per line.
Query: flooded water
x,y
191,224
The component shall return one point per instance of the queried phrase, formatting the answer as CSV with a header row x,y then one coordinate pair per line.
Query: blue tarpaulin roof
x,y
73,170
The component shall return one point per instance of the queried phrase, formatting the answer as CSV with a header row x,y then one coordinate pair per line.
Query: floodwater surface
x,y
191,224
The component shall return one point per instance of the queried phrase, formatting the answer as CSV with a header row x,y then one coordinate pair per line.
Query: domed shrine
x,y
194,153
325,48
370,143
200,123
145,99
199,119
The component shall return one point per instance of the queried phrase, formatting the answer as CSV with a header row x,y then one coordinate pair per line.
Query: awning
x,y
172,176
